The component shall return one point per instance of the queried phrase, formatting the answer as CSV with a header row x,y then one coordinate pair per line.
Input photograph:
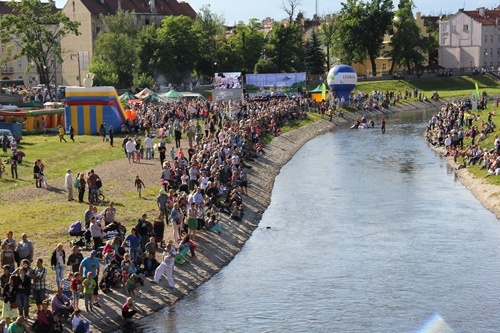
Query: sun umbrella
x,y
173,94
153,97
127,96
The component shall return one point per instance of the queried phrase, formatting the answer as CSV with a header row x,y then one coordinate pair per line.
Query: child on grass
x,y
139,184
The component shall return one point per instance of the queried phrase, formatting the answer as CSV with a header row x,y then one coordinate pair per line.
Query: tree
x,y
211,31
327,34
179,46
34,30
314,59
285,47
361,28
147,44
247,43
407,43
120,22
115,53
290,7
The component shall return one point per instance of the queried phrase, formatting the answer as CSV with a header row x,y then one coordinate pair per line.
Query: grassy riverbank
x,y
447,87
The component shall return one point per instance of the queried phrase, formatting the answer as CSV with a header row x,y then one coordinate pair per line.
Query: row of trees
x,y
181,47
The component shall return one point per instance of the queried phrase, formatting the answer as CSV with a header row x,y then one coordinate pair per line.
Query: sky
x,y
243,10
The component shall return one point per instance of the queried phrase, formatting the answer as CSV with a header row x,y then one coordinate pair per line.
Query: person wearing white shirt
x,y
167,265
68,183
148,144
130,148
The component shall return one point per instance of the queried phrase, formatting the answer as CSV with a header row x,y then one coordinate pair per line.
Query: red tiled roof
x,y
6,9
163,7
489,19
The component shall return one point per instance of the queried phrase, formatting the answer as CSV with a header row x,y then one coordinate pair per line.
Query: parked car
x,y
15,129
9,135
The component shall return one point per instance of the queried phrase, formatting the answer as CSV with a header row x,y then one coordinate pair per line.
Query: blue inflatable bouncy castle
x,y
342,79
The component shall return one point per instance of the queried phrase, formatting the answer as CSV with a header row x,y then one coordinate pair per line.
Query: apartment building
x,y
470,39
77,51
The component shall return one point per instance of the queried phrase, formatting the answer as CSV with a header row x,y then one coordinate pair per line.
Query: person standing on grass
x,y
96,232
148,144
36,174
13,160
162,150
68,183
25,248
111,134
125,140
130,149
92,183
139,184
72,133
81,187
61,134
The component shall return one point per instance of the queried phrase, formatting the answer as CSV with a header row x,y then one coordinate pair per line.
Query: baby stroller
x,y
159,228
82,238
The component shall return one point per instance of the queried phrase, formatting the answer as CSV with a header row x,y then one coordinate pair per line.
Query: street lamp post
x,y
79,67
214,69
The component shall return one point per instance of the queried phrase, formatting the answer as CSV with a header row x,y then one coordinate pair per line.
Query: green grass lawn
x,y
447,87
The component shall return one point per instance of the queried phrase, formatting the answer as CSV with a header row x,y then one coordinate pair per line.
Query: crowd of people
x,y
455,122
199,186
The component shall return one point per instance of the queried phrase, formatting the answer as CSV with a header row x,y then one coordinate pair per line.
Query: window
x,y
491,39
384,67
146,21
485,39
466,27
498,52
485,52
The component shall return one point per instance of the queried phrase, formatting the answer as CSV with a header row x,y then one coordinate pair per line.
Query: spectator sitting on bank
x,y
150,264
61,305
133,283
129,309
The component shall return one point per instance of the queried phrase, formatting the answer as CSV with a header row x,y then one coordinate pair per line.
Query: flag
x,y
323,92
477,89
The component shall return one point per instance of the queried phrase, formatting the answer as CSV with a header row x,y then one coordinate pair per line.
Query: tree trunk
x,y
393,64
328,57
374,66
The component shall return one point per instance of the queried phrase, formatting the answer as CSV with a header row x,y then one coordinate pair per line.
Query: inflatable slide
x,y
87,108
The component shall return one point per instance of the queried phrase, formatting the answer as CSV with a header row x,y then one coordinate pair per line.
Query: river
x,y
365,233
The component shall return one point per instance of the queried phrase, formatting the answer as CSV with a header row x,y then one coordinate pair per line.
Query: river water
x,y
368,233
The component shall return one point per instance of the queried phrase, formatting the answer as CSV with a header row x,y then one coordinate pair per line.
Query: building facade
x,y
15,69
77,51
470,39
